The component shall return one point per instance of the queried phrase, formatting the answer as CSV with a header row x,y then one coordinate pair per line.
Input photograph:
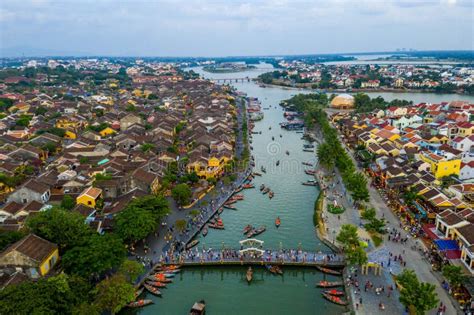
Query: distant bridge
x,y
231,80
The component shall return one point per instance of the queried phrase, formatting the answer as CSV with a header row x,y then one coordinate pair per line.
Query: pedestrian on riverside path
x,y
360,301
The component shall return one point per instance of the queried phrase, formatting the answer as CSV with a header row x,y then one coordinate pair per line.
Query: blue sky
x,y
226,28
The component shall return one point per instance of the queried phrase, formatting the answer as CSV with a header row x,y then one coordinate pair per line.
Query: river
x,y
225,289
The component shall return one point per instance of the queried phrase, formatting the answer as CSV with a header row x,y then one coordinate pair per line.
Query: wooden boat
x,y
334,299
263,169
257,174
328,284
247,229
138,292
218,225
307,163
308,150
152,290
249,274
248,186
329,271
287,152
205,231
164,280
199,308
266,190
310,172
262,187
310,183
230,201
238,190
156,284
273,138
278,270
238,197
220,210
281,136
140,303
168,267
334,292
227,206
277,222
258,231
308,146
278,163
271,194
159,276
192,244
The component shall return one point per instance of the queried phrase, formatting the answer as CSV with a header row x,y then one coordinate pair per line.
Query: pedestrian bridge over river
x,y
252,253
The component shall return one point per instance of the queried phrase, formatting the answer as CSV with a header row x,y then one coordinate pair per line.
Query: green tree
x,y
158,205
356,256
9,237
326,155
180,225
418,296
147,147
99,254
134,223
348,236
114,293
54,295
182,194
68,202
67,229
454,275
131,269
368,214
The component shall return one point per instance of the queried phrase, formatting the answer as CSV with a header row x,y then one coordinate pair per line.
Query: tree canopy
x,y
350,241
418,296
114,293
67,229
182,194
454,275
99,254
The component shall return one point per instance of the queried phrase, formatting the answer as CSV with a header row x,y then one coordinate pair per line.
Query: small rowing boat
x,y
238,197
247,229
278,163
310,172
277,222
308,150
334,299
257,174
192,244
227,206
230,201
328,284
310,183
205,231
263,169
266,190
152,290
217,225
334,292
238,190
255,232
329,271
156,284
140,303
199,308
262,187
138,292
220,210
248,186
307,163
249,274
271,194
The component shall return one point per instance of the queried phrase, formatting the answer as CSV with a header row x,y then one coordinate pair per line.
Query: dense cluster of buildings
x,y
113,134
359,76
423,156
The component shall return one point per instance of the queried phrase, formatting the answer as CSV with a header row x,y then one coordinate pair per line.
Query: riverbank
x,y
350,91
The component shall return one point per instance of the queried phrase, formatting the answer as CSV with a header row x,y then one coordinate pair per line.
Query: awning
x,y
428,229
446,244
420,209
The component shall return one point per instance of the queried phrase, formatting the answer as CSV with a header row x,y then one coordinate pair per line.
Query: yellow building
x,y
89,197
70,135
66,123
441,167
213,167
107,132
35,255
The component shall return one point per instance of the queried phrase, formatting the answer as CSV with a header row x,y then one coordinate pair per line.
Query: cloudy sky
x,y
232,27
